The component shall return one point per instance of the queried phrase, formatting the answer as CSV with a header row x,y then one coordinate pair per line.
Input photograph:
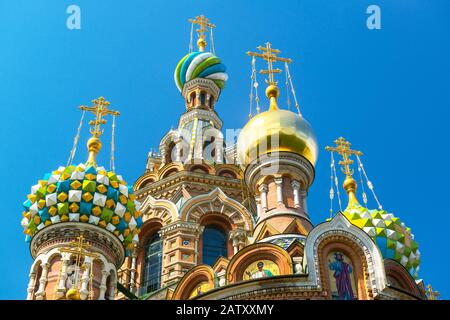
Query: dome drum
x,y
279,163
99,240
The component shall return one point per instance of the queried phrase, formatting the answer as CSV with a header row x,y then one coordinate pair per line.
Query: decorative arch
x,y
340,234
221,265
217,202
169,169
194,277
204,167
164,210
228,170
167,143
144,180
255,252
296,249
398,277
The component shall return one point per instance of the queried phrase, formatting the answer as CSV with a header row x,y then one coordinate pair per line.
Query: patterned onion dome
x,y
392,237
200,65
85,194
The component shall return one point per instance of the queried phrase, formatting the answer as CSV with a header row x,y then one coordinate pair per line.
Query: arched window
x,y
153,263
202,98
214,244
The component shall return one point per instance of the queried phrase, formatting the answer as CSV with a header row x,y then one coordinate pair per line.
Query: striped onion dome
x,y
200,65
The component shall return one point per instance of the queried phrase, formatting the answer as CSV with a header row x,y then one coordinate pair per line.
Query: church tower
x,y
200,76
278,149
194,201
81,222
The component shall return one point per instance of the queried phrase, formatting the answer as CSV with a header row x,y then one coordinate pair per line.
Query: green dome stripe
x,y
220,83
203,65
178,70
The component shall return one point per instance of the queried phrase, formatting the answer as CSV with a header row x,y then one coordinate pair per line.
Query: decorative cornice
x,y
281,159
188,176
203,84
181,226
58,235
202,114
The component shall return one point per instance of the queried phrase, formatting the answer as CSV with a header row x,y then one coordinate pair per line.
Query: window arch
x,y
214,244
152,264
202,98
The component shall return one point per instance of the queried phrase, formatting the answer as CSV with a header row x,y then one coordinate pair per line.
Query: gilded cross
x,y
270,55
78,249
203,23
343,148
432,295
99,109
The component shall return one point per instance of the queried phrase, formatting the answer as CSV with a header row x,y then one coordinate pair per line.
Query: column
x,y
303,194
84,291
263,195
258,205
62,280
238,239
40,294
150,165
219,150
112,292
208,97
198,101
235,245
163,155
31,285
221,276
296,189
298,265
178,148
133,271
103,287
279,184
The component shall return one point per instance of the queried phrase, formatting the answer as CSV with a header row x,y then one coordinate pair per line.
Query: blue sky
x,y
384,90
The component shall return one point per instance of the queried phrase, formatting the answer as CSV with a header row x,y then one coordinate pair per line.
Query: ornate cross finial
x,y
432,295
204,25
270,55
343,148
78,249
99,109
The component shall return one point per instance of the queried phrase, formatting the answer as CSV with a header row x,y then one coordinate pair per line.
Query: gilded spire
x,y
204,25
343,149
431,294
99,109
270,55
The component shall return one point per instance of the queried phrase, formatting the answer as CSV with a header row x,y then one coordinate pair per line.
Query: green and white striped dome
x,y
200,65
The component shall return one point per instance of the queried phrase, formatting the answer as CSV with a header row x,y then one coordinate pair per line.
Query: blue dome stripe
x,y
185,66
212,69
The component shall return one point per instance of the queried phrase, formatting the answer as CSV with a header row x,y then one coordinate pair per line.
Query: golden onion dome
x,y
276,130
73,294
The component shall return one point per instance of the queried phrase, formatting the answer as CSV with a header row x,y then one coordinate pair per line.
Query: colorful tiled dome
x,y
85,194
392,237
200,65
